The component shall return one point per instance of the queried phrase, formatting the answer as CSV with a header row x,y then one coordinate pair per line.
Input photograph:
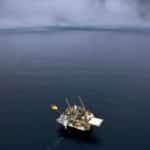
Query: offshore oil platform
x,y
76,116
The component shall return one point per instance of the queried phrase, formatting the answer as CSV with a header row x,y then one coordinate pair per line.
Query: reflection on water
x,y
71,138
78,136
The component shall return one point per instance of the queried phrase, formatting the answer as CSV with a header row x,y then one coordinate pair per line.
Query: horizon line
x,y
75,28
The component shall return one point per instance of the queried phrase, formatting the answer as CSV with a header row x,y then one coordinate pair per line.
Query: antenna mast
x,y
81,102
67,101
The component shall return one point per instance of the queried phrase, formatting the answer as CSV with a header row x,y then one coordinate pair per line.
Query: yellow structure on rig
x,y
77,117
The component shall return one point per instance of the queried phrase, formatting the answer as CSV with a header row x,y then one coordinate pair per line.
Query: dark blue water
x,y
111,70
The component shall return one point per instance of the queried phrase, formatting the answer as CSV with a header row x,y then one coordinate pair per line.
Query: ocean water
x,y
110,70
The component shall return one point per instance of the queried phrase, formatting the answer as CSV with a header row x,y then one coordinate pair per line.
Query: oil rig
x,y
76,116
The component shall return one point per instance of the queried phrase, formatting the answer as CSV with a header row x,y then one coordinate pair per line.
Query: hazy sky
x,y
15,13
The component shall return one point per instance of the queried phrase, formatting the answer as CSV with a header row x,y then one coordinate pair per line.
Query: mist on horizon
x,y
29,13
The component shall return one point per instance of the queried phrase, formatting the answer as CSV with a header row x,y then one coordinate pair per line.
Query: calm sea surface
x,y
111,70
